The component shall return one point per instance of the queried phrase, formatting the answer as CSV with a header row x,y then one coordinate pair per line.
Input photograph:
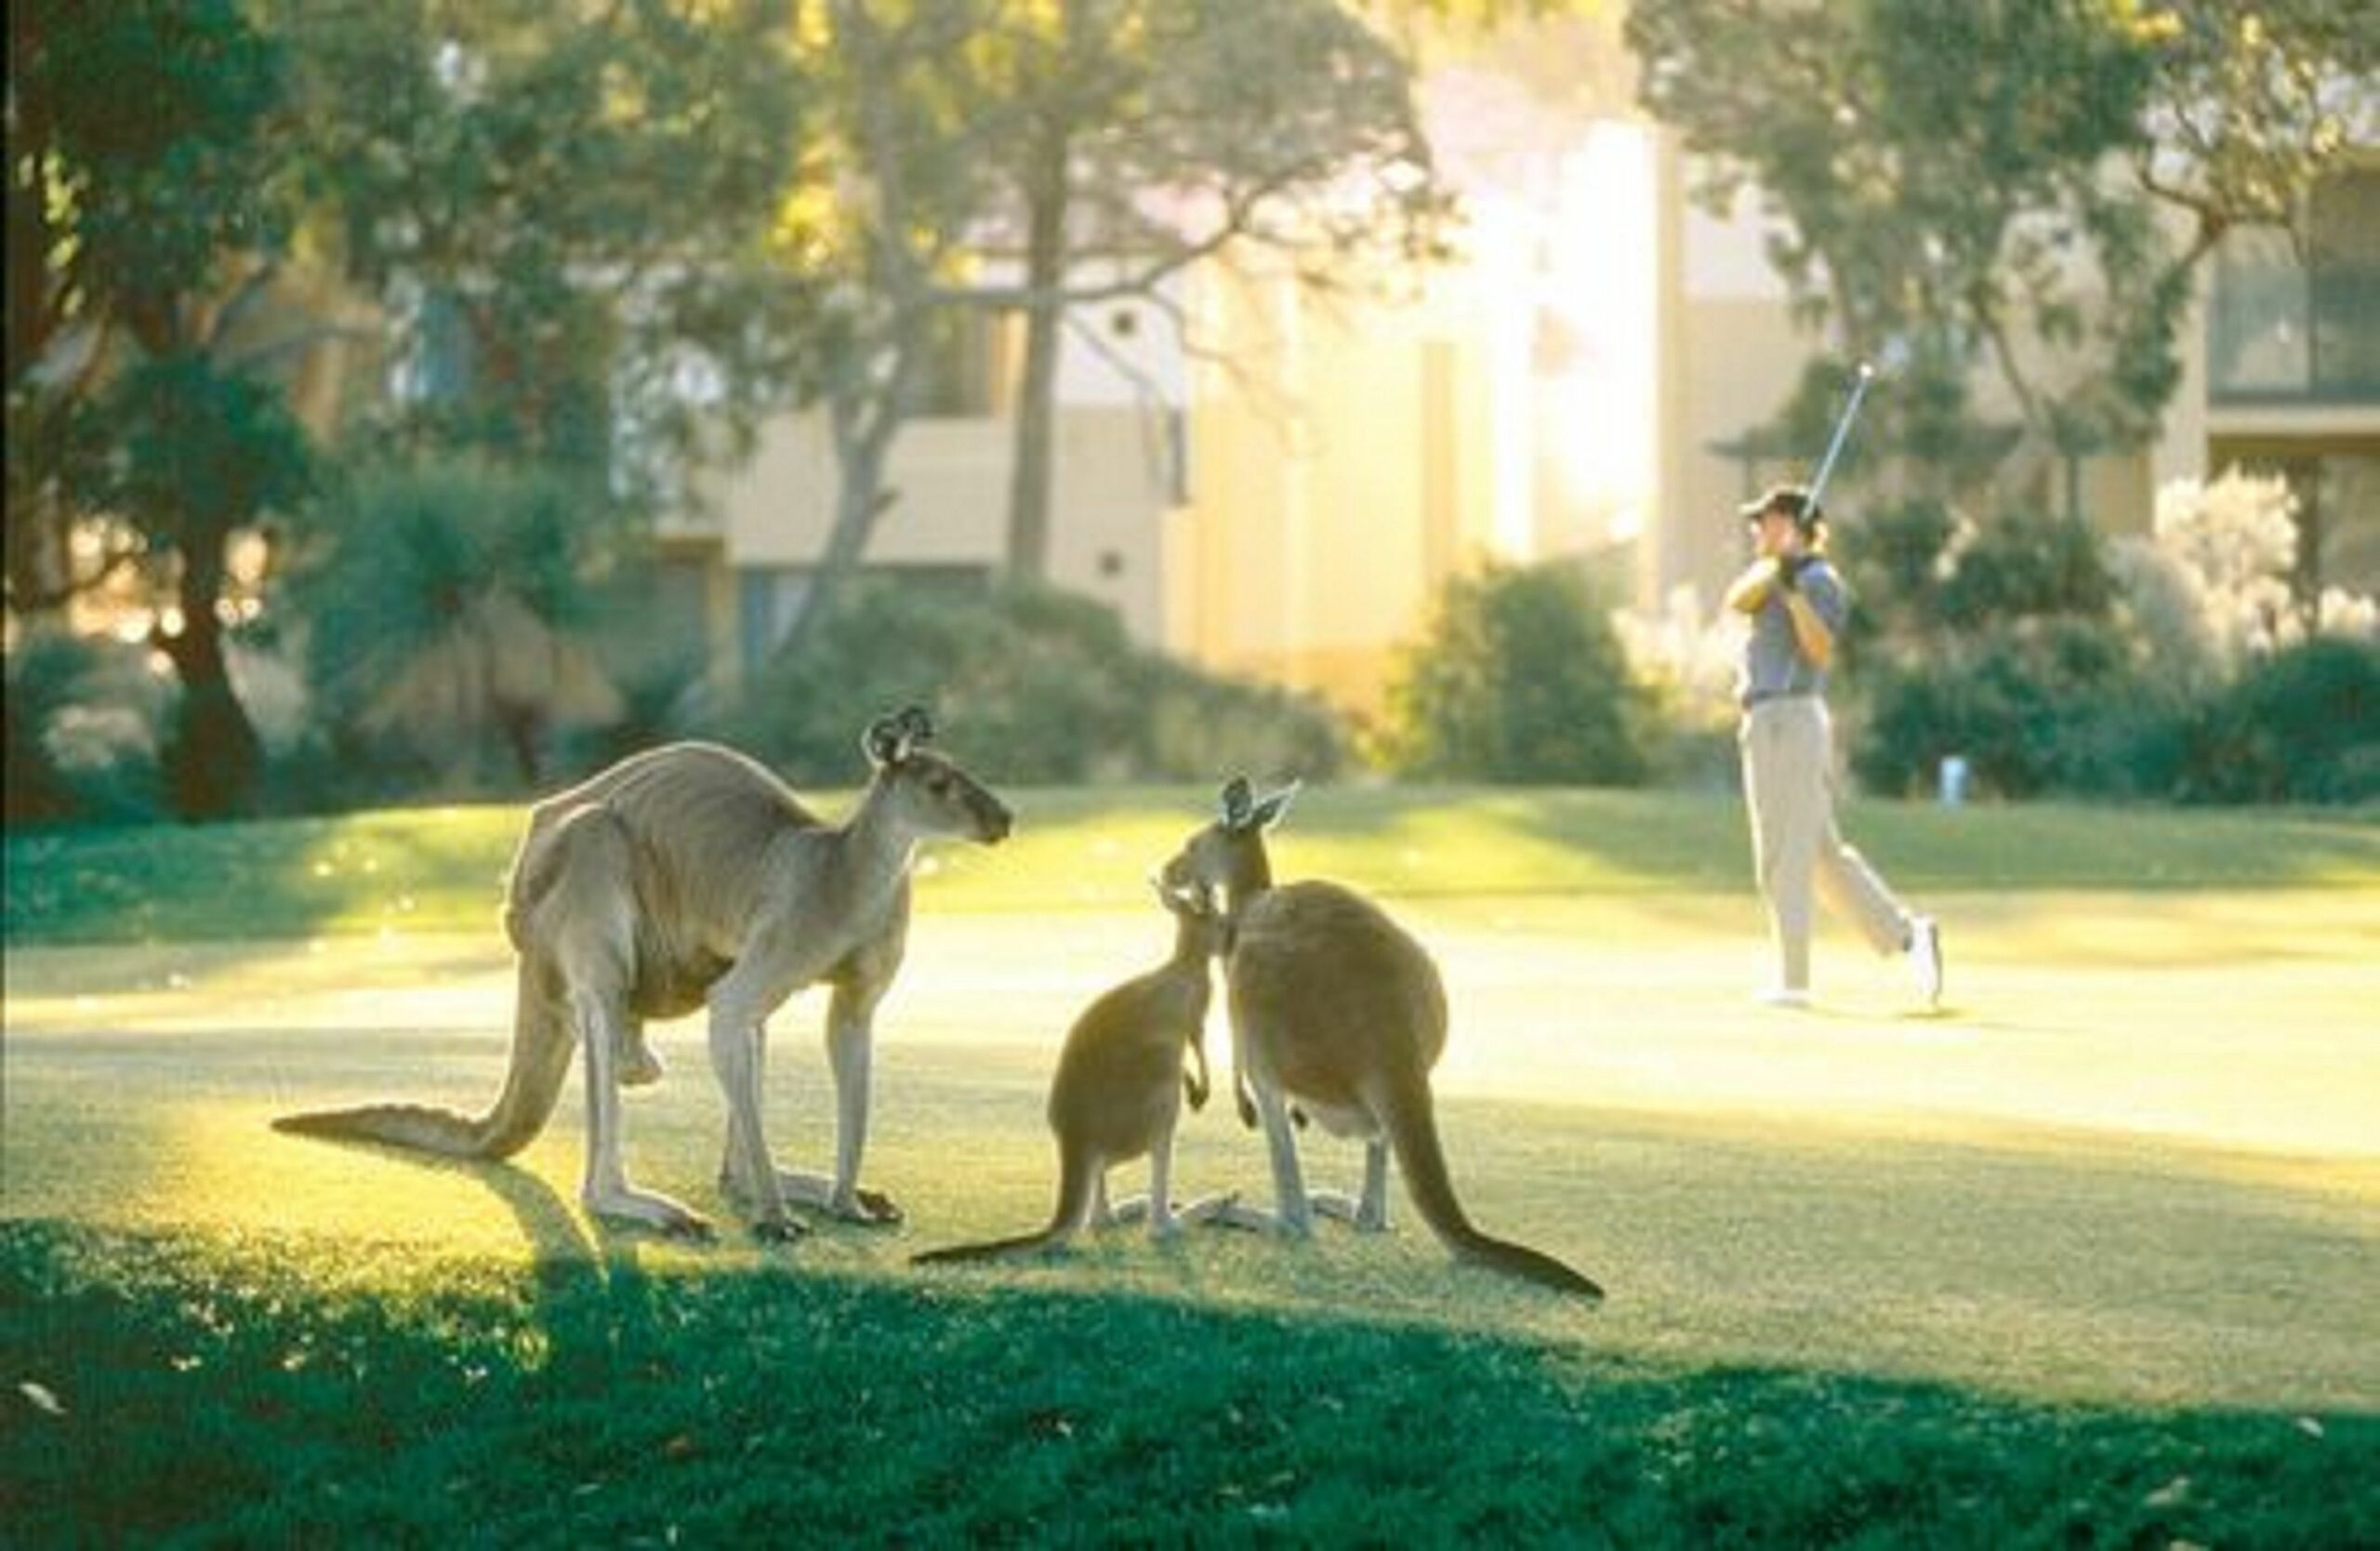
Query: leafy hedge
x,y
1519,678
1030,685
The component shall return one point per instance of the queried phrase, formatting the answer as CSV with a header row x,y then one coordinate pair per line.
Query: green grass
x,y
598,1401
2086,1260
442,869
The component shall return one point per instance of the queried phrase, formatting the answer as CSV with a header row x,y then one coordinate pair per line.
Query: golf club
x,y
1866,375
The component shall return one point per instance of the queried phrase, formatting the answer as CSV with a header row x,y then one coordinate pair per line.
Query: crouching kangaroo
x,y
689,876
1118,1091
1335,1009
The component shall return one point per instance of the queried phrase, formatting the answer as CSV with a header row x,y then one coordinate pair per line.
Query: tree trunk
x,y
1030,481
865,420
213,758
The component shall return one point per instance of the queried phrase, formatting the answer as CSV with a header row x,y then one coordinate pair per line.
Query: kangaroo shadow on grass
x,y
595,1300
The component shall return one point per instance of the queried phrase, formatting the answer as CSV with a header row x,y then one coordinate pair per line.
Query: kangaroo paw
x,y
639,1067
647,1209
777,1230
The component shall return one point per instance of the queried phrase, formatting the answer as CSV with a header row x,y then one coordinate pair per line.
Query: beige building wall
x,y
1338,472
1112,487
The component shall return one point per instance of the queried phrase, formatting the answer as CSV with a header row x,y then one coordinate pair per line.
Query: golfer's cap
x,y
1790,500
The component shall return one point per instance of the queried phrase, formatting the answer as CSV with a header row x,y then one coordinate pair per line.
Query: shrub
x,y
1521,679
447,608
2302,725
1033,685
2035,706
83,722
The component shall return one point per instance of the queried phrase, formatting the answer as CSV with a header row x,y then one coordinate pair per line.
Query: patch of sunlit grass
x,y
432,870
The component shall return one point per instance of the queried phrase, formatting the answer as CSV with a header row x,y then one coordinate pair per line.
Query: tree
x,y
1116,139
1971,212
140,243
1106,143
565,212
876,224
446,606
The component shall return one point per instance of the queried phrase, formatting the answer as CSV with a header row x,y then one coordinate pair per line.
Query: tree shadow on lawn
x,y
239,1387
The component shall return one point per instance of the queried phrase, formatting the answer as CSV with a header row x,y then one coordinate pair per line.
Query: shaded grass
x,y
257,1389
442,869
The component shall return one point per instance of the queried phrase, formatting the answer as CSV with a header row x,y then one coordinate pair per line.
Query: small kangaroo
x,y
1115,1095
689,875
1335,1009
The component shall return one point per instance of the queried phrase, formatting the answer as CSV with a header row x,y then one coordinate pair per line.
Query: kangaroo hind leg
x,y
606,1191
586,928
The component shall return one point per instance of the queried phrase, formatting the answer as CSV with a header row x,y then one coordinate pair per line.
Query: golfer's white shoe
x,y
1781,996
1925,958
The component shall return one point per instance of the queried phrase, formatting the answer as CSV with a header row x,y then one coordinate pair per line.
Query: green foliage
x,y
1970,214
2301,725
83,720
201,451
149,119
1520,679
2035,706
2019,645
445,605
2026,565
566,207
1030,684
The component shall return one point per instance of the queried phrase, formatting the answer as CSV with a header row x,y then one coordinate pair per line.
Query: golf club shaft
x,y
1842,432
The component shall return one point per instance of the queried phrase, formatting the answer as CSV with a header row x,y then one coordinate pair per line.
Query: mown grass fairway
x,y
2090,1257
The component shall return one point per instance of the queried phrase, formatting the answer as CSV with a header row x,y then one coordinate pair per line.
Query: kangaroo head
x,y
1229,853
930,792
1194,911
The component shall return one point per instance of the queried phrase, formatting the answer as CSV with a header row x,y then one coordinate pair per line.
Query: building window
x,y
2282,328
766,599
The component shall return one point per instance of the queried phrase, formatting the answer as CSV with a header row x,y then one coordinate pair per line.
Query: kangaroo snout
x,y
994,823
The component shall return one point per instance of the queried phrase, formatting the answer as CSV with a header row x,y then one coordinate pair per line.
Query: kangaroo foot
x,y
777,1230
1206,1208
864,1207
639,1066
1256,1219
1362,1215
647,1209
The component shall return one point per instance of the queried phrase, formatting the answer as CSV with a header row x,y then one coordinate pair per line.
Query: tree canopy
x,y
1994,184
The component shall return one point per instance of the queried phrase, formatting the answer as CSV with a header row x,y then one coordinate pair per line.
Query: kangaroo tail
x,y
1077,1176
1414,1134
541,1050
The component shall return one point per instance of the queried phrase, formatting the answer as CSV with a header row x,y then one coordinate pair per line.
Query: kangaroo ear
x,y
1268,812
889,739
1238,804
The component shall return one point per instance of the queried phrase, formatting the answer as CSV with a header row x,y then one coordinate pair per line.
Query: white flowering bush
x,y
2214,580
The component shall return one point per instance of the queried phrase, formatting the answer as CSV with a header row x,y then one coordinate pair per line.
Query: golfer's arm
x,y
1748,591
1809,630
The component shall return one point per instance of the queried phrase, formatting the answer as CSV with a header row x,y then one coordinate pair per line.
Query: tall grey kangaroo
x,y
1119,1086
689,876
1336,1011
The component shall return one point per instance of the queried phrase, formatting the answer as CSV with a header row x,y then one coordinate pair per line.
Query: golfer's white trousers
x,y
1787,757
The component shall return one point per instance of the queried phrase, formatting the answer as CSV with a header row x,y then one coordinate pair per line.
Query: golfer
x,y
1797,604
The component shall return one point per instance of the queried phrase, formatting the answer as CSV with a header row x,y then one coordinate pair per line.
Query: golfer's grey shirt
x,y
1774,666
